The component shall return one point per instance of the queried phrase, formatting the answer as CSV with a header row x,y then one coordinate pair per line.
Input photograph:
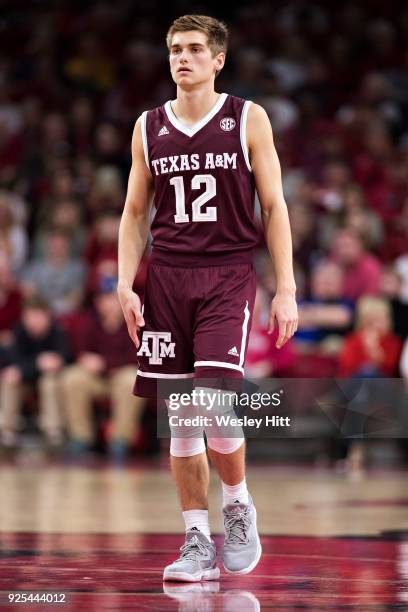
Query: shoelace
x,y
236,526
192,549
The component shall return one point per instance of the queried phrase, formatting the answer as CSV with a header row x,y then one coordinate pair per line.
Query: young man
x,y
202,156
37,356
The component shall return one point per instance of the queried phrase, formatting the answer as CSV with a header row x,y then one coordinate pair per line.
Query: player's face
x,y
191,59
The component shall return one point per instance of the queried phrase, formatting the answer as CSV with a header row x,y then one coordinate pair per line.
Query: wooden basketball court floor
x,y
101,535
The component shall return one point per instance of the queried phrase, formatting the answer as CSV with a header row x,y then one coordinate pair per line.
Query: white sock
x,y
197,519
235,493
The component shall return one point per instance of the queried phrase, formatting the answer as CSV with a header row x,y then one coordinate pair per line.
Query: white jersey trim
x,y
244,144
143,118
161,375
190,130
219,364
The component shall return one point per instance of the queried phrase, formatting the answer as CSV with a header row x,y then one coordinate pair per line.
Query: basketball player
x,y
201,156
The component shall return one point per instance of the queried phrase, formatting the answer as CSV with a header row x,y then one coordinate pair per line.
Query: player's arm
x,y
133,233
266,168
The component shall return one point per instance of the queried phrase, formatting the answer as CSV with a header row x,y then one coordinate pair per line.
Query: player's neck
x,y
191,106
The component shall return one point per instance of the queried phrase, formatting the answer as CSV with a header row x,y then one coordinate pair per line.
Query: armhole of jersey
x,y
144,138
244,145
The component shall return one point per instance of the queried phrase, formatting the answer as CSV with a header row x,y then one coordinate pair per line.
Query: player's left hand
x,y
284,311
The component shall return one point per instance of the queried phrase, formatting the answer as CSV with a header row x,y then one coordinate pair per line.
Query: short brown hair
x,y
215,30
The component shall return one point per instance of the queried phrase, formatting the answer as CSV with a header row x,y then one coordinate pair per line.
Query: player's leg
x,y
231,469
242,548
190,471
226,448
166,357
220,345
191,475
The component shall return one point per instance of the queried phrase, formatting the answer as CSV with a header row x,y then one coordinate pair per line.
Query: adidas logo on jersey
x,y
163,131
233,351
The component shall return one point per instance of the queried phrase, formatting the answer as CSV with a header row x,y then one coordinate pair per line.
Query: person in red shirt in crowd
x,y
371,351
362,270
105,368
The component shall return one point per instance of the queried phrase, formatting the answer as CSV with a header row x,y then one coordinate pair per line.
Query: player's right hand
x,y
132,311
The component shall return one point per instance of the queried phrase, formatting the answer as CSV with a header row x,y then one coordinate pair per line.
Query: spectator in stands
x,y
107,191
330,195
372,349
105,368
362,271
326,316
38,353
57,277
351,214
64,216
367,225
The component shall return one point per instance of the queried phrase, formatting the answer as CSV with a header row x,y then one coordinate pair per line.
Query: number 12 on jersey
x,y
210,192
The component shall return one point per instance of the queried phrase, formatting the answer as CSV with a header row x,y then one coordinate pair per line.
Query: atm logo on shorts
x,y
155,346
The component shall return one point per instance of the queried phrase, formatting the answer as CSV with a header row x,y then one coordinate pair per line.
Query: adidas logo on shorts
x,y
233,351
163,131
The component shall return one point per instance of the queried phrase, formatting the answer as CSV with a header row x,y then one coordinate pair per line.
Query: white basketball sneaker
x,y
242,547
198,560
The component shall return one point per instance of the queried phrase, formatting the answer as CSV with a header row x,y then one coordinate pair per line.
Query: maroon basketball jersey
x,y
203,183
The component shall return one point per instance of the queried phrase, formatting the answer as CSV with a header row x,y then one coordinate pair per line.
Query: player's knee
x,y
186,440
186,447
225,445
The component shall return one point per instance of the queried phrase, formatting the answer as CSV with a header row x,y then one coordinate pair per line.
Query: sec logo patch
x,y
227,124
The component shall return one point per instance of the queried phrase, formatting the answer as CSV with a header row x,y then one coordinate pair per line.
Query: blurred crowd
x,y
75,76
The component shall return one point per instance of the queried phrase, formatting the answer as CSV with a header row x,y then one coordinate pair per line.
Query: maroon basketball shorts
x,y
197,324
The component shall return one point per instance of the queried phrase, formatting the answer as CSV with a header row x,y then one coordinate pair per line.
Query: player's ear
x,y
219,61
